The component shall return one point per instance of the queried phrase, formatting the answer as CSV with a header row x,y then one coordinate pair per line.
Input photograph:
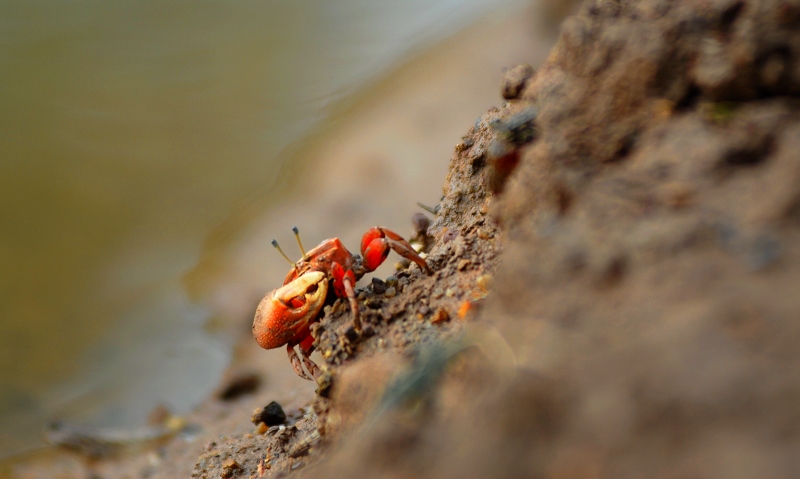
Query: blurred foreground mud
x,y
617,261
648,283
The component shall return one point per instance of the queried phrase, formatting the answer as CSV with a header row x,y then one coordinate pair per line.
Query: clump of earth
x,y
616,260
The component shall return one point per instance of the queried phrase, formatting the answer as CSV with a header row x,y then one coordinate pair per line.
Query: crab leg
x,y
305,358
296,364
343,284
375,246
306,348
351,298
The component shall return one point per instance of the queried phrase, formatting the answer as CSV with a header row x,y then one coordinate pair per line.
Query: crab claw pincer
x,y
284,314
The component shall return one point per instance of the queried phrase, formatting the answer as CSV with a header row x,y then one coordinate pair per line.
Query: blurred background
x,y
150,150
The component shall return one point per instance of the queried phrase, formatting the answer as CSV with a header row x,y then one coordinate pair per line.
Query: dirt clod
x,y
272,414
514,81
230,468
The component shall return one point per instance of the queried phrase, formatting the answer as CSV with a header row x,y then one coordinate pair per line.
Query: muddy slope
x,y
648,285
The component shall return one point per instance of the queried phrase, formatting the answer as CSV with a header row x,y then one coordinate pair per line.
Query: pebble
x,y
378,286
462,265
466,143
261,428
450,292
391,280
230,468
437,293
441,316
391,292
514,81
271,415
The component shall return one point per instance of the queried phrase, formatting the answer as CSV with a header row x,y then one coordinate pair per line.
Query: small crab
x,y
286,314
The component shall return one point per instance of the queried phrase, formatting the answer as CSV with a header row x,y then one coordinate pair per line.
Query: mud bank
x,y
616,258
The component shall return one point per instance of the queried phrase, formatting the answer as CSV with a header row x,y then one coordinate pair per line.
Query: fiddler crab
x,y
286,314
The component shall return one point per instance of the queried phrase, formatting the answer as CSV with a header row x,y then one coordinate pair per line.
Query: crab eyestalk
x,y
299,243
283,313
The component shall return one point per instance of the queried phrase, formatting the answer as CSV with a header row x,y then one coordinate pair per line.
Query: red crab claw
x,y
377,241
283,315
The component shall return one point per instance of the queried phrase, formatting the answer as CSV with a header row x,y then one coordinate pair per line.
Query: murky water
x,y
128,132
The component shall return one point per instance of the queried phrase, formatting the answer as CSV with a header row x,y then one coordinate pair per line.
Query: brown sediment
x,y
621,304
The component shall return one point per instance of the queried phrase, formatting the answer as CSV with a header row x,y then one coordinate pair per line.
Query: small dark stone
x,y
271,415
351,334
378,286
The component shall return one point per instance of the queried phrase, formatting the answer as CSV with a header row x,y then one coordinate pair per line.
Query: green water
x,y
128,132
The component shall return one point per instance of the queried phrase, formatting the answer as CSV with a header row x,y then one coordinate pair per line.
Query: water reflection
x,y
129,130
